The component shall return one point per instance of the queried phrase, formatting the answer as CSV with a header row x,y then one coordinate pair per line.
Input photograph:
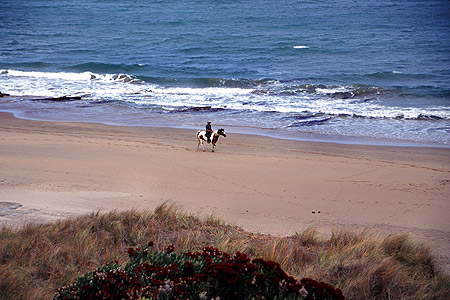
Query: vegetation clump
x,y
206,274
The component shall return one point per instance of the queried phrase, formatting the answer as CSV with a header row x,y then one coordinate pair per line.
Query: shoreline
x,y
263,132
56,170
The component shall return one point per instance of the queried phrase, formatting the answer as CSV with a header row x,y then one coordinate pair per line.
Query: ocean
x,y
346,71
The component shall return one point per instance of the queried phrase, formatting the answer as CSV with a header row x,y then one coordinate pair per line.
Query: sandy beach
x,y
50,171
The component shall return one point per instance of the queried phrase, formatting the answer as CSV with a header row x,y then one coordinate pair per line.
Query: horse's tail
x,y
198,133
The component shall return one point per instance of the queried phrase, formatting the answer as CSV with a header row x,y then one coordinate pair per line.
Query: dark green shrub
x,y
210,274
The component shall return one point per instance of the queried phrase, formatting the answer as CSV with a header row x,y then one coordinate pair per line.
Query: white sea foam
x,y
69,76
50,75
202,91
341,89
56,84
301,47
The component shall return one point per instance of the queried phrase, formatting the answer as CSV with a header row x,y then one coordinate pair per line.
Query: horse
x,y
201,137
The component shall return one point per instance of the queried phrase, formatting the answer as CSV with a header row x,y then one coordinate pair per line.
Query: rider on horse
x,y
208,131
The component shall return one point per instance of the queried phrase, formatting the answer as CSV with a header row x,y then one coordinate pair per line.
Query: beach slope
x,y
50,171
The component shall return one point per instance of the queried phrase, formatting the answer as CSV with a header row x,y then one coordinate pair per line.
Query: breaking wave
x,y
261,95
69,76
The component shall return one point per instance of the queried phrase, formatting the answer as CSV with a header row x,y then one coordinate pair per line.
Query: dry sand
x,y
58,170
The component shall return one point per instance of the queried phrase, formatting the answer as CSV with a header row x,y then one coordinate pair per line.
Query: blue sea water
x,y
345,70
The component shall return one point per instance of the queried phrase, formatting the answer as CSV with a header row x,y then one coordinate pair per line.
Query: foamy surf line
x,y
290,108
158,121
69,76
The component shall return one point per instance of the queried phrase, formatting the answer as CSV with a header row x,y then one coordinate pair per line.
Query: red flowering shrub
x,y
205,275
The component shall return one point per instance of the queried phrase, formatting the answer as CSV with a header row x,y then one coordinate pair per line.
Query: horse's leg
x,y
203,147
214,146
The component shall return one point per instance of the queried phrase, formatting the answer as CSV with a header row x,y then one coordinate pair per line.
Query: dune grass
x,y
36,260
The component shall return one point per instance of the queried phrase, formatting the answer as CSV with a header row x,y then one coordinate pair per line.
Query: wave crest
x,y
70,76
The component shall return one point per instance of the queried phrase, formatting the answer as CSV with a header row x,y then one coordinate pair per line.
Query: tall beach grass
x,y
35,260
